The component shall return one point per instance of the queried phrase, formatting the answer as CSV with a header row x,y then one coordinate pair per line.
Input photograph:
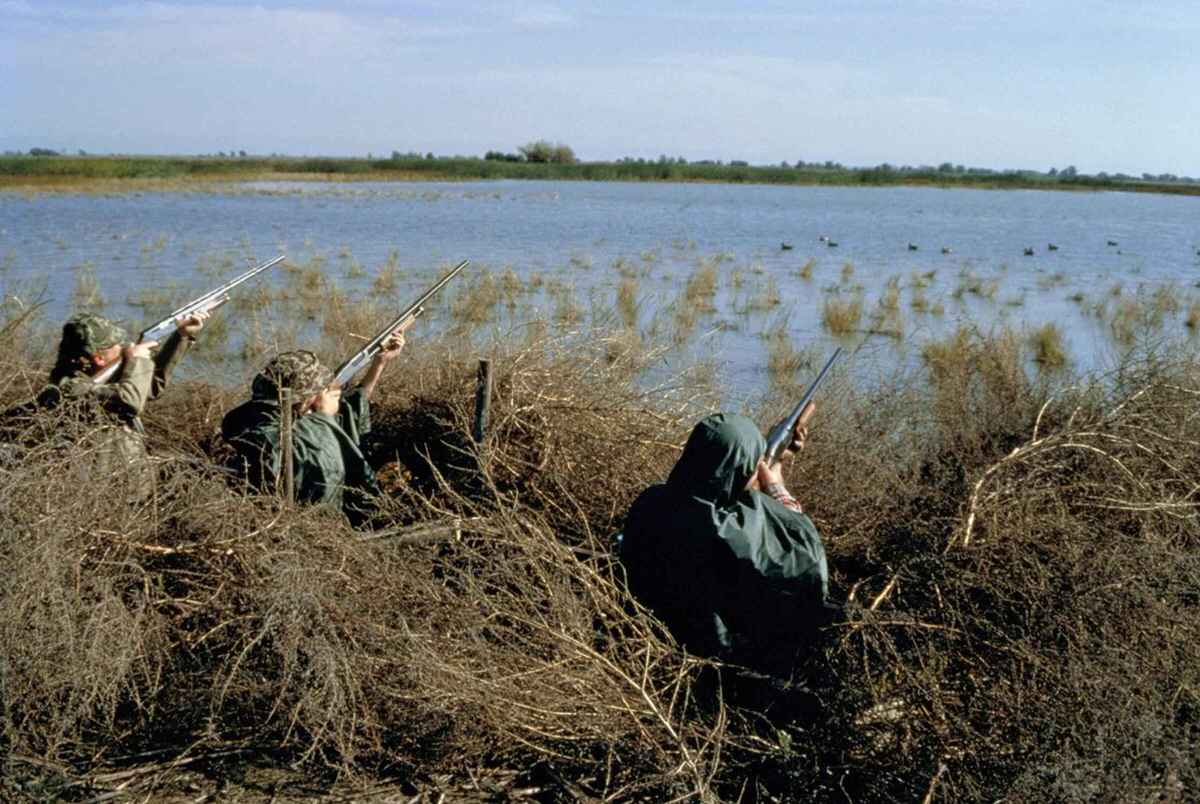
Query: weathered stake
x,y
285,442
483,400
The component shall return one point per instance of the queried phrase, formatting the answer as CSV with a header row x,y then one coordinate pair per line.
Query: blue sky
x,y
1102,85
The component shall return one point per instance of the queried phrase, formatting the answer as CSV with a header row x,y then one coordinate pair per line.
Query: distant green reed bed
x,y
24,170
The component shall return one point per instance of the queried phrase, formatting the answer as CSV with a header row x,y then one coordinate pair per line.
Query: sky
x,y
1105,86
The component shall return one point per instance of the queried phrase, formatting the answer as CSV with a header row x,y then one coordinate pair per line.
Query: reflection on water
x,y
702,265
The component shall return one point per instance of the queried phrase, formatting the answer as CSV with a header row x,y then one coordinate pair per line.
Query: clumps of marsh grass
x,y
889,300
567,311
736,279
476,303
842,316
1050,281
628,269
151,296
1048,349
252,299
784,360
701,287
763,298
847,271
919,302
975,285
1133,316
581,261
628,303
1165,300
921,280
307,288
87,293
511,285
387,276
886,319
1192,322
348,323
805,271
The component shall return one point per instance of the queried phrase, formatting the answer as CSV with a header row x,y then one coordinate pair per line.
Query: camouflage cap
x,y
299,371
87,333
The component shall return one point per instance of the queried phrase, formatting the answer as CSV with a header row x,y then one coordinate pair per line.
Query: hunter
x,y
112,410
328,464
723,554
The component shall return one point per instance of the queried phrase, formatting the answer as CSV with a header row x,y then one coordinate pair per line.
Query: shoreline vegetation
x,y
66,173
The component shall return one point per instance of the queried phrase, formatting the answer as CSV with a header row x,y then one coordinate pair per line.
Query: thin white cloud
x,y
16,8
541,16
156,33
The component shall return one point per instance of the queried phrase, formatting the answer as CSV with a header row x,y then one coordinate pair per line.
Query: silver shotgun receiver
x,y
781,434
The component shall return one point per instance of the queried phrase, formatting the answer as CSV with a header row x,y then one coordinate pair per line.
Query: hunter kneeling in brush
x,y
723,554
328,464
92,346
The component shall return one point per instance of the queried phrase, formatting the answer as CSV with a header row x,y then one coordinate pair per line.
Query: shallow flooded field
x,y
758,279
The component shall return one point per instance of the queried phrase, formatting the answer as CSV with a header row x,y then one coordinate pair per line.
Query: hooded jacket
x,y
725,568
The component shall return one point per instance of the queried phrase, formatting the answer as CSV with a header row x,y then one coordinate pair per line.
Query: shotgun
x,y
206,303
782,433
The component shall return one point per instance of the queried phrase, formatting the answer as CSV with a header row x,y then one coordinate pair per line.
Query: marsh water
x,y
922,261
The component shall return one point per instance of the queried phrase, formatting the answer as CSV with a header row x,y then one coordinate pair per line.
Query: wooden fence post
x,y
285,444
483,400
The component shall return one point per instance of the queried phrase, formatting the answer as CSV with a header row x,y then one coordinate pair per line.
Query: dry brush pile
x,y
1022,560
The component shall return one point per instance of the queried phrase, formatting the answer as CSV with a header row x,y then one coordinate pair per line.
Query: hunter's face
x,y
106,357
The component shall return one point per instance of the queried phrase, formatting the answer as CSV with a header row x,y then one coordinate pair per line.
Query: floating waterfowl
x,y
1029,251
912,246
785,246
1112,242
1051,247
831,243
946,250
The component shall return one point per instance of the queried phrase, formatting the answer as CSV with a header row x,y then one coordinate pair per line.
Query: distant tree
x,y
43,152
1052,172
500,156
429,155
82,152
738,163
545,151
1069,172
679,160
242,154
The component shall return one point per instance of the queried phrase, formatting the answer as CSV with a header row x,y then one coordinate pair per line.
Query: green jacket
x,y
728,570
327,459
112,411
